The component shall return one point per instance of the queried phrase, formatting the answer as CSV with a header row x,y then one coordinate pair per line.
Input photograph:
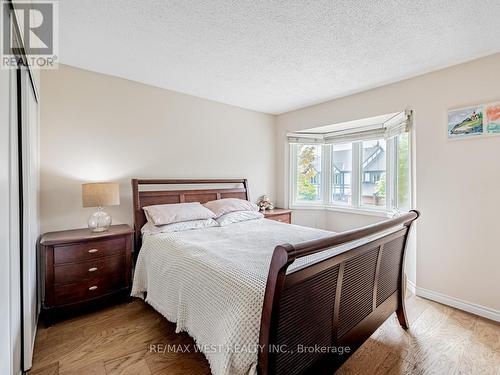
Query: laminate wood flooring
x,y
130,338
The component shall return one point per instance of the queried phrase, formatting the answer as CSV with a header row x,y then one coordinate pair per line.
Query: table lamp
x,y
100,194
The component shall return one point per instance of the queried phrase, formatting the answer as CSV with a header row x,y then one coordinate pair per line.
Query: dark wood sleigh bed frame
x,y
311,313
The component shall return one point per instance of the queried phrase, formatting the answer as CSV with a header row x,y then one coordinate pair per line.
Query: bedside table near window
x,y
84,269
279,214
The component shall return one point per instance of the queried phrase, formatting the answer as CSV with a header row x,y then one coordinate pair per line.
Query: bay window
x,y
362,170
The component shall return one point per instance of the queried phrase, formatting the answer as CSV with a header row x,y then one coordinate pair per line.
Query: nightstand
x,y
279,214
85,269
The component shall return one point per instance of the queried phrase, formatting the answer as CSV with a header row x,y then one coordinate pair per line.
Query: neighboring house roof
x,y
373,159
343,161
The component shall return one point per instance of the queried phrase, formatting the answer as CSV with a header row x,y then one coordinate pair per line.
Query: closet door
x,y
10,269
30,219
18,209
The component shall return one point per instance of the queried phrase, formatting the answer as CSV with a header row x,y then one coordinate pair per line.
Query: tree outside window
x,y
308,173
403,182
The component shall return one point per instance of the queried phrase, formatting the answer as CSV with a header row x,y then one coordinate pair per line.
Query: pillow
x,y
226,205
237,216
150,228
162,214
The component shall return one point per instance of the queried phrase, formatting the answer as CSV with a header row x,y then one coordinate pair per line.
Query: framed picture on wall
x,y
465,122
492,118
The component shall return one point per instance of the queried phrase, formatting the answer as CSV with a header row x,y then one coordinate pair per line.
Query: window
x,y
341,170
308,166
403,185
361,171
373,166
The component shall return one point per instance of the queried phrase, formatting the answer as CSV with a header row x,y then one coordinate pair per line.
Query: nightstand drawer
x,y
85,290
88,250
83,269
284,218
77,272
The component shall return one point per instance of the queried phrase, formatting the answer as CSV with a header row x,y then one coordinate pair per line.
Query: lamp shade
x,y
100,194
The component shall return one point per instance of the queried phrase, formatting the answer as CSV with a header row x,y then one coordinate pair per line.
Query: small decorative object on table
x,y
98,195
265,203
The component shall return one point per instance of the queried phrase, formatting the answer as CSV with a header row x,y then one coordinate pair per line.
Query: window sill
x,y
298,206
350,210
359,211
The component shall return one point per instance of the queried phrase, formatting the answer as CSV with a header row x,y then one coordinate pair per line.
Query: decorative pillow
x,y
226,205
237,216
162,214
150,228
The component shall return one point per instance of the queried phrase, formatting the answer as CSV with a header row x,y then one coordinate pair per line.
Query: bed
x,y
265,297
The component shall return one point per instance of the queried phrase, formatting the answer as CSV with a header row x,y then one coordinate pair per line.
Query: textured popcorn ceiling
x,y
274,56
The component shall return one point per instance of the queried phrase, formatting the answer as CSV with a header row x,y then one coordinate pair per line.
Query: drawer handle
x,y
93,287
93,251
93,269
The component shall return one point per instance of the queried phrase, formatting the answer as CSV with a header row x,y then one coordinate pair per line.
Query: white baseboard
x,y
33,343
410,286
470,307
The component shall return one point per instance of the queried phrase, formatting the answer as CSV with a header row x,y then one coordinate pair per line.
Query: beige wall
x,y
458,185
97,127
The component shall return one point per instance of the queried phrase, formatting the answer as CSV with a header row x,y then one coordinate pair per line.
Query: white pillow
x,y
150,228
163,214
237,216
226,205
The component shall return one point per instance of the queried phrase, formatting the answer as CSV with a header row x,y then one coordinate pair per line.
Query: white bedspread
x,y
211,282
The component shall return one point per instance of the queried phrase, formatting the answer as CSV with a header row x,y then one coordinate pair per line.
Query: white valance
x,y
400,123
304,139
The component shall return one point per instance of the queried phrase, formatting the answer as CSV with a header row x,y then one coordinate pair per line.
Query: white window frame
x,y
326,182
293,185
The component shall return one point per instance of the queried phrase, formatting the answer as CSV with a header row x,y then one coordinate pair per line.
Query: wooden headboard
x,y
165,196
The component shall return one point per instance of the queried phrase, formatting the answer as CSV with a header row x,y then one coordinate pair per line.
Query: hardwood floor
x,y
118,340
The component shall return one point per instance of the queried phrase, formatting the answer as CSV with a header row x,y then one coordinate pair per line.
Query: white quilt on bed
x,y
211,282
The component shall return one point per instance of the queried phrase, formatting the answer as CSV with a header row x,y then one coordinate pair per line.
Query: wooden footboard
x,y
315,317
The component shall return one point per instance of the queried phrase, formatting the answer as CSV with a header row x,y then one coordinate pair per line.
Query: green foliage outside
x,y
403,171
403,174
306,190
381,187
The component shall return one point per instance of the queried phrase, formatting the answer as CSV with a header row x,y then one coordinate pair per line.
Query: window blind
x,y
401,123
302,139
